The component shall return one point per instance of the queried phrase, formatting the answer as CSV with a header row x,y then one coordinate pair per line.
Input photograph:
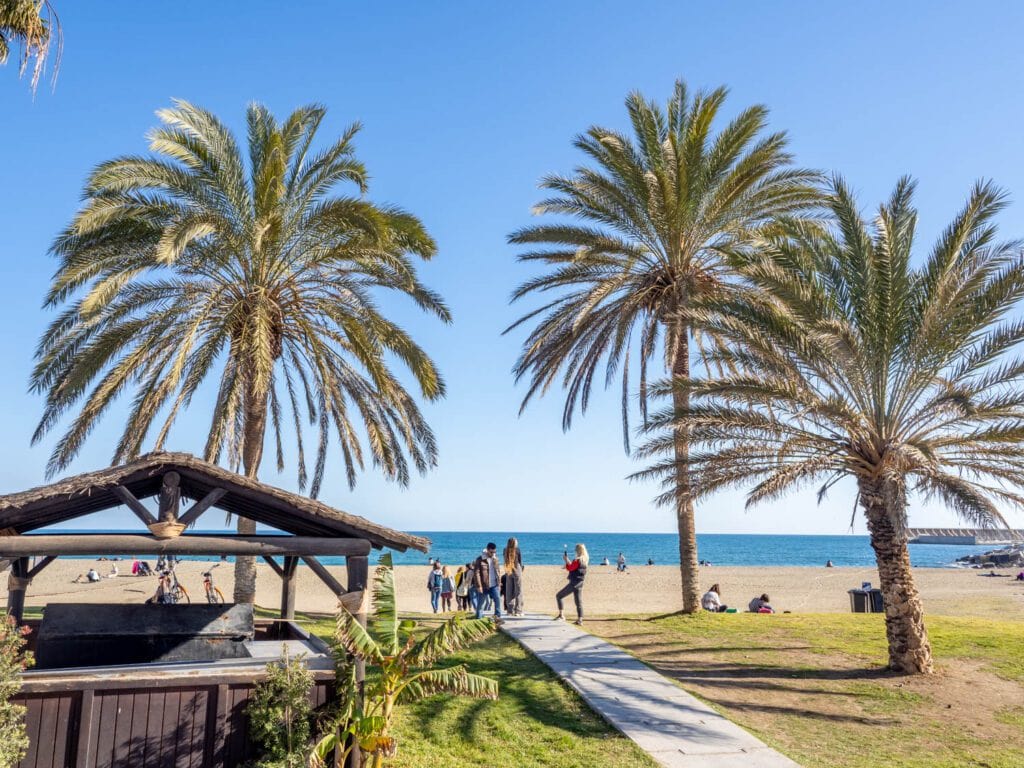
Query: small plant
x,y
13,661
279,714
400,669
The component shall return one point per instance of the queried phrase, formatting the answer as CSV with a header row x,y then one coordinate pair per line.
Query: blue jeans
x,y
435,597
492,593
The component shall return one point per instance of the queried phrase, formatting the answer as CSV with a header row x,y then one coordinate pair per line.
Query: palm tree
x,y
653,220
34,25
853,364
191,265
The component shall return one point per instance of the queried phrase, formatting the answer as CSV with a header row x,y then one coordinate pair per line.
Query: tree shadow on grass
x,y
526,689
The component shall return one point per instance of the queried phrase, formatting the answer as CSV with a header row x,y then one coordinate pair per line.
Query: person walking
x,y
434,582
577,569
513,578
447,588
462,587
487,572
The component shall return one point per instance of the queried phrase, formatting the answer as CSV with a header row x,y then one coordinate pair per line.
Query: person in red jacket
x,y
577,569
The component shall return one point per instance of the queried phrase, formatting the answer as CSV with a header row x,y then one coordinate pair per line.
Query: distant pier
x,y
993,536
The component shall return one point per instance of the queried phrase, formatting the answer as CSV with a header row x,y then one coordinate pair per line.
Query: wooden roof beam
x,y
191,544
192,513
129,500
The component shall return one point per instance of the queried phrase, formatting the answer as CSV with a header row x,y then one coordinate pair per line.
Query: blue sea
x,y
456,548
663,548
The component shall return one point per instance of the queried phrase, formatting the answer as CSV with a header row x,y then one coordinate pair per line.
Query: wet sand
x,y
643,590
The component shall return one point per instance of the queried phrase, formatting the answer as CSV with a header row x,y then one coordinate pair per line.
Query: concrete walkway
x,y
664,720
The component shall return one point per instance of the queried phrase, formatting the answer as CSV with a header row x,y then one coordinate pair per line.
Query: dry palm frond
x,y
35,27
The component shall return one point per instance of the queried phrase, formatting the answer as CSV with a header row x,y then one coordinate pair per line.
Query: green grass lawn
x,y
814,687
536,721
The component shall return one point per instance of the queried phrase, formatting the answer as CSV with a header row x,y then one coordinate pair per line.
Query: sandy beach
x,y
645,589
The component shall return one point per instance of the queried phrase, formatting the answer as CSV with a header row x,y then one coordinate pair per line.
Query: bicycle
x,y
169,590
213,595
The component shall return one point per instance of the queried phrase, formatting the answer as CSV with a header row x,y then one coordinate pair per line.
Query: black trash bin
x,y
859,602
877,604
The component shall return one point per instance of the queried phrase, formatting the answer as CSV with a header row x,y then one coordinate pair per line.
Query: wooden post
x,y
358,576
17,583
170,498
288,588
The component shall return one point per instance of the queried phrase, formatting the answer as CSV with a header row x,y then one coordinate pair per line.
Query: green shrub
x,y
13,661
279,713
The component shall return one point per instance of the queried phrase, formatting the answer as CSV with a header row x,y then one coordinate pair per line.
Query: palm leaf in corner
x,y
453,635
457,681
384,623
355,640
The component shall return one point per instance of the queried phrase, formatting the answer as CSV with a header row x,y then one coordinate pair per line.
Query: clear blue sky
x,y
466,105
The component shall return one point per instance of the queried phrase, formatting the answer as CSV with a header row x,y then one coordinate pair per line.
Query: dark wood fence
x,y
108,723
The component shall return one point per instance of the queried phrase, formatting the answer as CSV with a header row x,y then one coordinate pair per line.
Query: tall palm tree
x,y
34,25
653,218
852,363
191,265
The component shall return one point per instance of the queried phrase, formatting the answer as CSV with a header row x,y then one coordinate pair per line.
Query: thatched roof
x,y
94,491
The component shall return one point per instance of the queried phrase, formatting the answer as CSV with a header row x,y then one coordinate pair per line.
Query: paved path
x,y
675,728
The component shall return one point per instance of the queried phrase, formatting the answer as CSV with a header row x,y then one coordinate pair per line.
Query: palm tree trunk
x,y
909,649
688,568
252,454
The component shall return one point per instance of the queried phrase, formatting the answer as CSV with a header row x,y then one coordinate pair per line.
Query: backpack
x,y
435,580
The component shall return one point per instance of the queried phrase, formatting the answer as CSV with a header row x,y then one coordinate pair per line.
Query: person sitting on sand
x,y
1020,576
605,562
650,561
829,564
712,600
144,569
761,604
92,576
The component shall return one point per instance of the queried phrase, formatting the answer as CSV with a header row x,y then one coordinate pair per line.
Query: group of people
x,y
138,568
712,601
481,585
488,583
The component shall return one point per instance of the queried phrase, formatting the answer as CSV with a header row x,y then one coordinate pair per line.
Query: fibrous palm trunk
x,y
688,567
909,649
252,454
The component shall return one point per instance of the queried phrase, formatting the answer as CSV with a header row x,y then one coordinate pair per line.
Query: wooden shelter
x,y
311,527
77,717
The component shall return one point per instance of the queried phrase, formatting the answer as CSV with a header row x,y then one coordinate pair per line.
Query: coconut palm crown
x,y
259,279
852,363
649,222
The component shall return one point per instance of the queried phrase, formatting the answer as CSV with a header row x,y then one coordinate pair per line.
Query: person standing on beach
x,y
487,571
462,587
447,588
513,578
434,582
621,565
577,569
